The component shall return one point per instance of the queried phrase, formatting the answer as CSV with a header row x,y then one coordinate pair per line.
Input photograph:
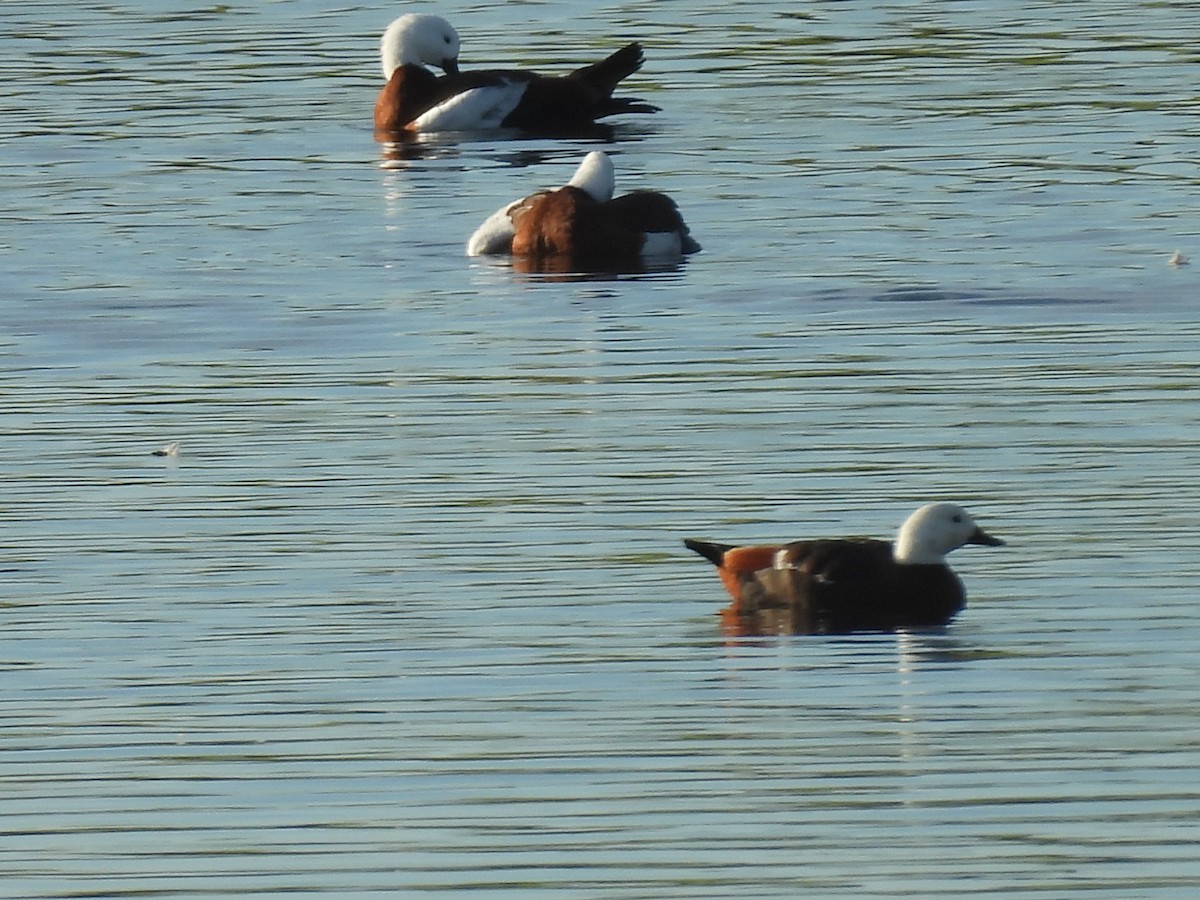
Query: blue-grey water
x,y
409,615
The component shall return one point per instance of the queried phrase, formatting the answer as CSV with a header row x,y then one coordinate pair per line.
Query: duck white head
x,y
419,39
595,177
934,530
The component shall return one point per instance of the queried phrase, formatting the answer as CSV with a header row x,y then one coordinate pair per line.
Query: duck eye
x,y
957,519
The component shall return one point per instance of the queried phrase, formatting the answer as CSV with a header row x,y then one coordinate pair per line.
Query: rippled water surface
x,y
409,614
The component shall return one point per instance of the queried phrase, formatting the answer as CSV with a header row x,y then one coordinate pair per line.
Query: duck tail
x,y
605,75
714,553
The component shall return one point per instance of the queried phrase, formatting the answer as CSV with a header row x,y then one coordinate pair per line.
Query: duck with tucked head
x,y
832,586
414,99
581,227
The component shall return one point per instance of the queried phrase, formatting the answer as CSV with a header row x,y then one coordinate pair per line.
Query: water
x,y
409,614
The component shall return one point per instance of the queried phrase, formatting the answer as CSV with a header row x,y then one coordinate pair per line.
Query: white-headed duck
x,y
416,100
832,586
581,227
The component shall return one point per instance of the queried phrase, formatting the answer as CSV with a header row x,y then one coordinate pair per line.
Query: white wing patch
x,y
477,108
494,237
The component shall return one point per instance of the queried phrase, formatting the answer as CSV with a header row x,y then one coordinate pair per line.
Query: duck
x,y
842,585
582,227
415,100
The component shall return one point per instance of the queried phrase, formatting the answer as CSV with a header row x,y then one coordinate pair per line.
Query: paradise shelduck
x,y
581,227
416,100
835,586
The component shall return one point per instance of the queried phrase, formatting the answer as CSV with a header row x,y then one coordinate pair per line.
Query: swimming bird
x,y
832,586
416,100
581,227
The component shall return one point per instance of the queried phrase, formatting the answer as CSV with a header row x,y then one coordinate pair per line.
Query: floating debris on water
x,y
1178,259
171,449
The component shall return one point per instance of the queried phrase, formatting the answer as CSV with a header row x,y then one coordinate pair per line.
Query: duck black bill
x,y
982,537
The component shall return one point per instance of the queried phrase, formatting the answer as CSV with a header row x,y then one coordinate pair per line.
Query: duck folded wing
x,y
835,586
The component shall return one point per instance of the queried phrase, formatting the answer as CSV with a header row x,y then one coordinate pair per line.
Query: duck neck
x,y
395,49
595,177
909,550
